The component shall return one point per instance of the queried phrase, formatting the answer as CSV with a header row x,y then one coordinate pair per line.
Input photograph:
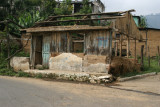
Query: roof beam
x,y
74,20
92,14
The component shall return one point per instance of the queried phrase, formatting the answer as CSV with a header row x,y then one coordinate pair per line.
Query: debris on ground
x,y
101,79
120,66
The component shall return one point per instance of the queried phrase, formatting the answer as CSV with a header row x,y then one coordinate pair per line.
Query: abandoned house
x,y
51,41
96,5
80,47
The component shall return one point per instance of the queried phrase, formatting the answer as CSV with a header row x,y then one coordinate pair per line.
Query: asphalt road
x,y
27,92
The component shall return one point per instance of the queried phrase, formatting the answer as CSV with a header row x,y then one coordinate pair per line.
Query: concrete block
x,y
20,63
66,62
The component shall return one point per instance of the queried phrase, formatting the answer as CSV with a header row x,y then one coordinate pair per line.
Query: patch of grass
x,y
22,74
7,72
39,75
146,69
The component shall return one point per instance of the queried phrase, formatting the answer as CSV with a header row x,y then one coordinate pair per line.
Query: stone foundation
x,y
71,62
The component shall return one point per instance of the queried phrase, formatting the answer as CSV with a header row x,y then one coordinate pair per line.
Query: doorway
x,y
38,50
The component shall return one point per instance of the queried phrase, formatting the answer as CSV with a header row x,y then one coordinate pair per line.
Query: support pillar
x,y
128,46
135,52
120,46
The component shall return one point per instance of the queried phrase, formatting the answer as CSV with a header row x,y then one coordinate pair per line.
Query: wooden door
x,y
46,50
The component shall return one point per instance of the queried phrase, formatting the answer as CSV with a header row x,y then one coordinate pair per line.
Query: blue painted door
x,y
46,50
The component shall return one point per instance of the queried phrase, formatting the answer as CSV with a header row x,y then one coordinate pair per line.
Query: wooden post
x,y
116,50
146,41
149,62
158,56
68,42
142,59
84,51
128,46
110,45
115,43
120,46
135,52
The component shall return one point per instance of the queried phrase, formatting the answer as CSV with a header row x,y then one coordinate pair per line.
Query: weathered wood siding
x,y
98,42
46,50
51,43
95,43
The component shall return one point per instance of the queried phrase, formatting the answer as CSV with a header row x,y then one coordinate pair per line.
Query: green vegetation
x,y
153,67
143,22
86,7
65,8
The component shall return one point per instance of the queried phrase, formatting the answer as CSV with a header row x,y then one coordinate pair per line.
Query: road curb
x,y
136,77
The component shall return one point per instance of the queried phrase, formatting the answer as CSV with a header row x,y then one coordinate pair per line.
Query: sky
x,y
142,7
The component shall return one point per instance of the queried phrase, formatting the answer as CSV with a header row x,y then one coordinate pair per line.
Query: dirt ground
x,y
150,85
28,92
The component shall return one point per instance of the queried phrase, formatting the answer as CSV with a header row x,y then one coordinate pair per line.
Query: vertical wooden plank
x,y
116,50
110,53
149,62
68,42
84,51
33,47
59,43
135,51
97,49
71,43
46,50
31,53
146,42
95,42
128,44
142,58
115,43
120,46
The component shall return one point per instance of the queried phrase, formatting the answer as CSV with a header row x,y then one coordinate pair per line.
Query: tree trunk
x,y
8,45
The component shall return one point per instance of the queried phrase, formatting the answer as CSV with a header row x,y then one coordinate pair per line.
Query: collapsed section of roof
x,y
122,22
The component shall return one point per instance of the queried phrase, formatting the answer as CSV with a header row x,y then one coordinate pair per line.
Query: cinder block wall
x,y
153,42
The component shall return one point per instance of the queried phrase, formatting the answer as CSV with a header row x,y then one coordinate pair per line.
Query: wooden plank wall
x,y
60,42
97,42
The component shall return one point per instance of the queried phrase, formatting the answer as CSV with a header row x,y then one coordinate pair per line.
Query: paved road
x,y
27,92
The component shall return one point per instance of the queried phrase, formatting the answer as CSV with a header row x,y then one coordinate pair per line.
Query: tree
x,y
143,22
86,7
65,8
47,7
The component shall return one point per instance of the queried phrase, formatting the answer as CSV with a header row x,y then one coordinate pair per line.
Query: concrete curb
x,y
94,78
136,77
